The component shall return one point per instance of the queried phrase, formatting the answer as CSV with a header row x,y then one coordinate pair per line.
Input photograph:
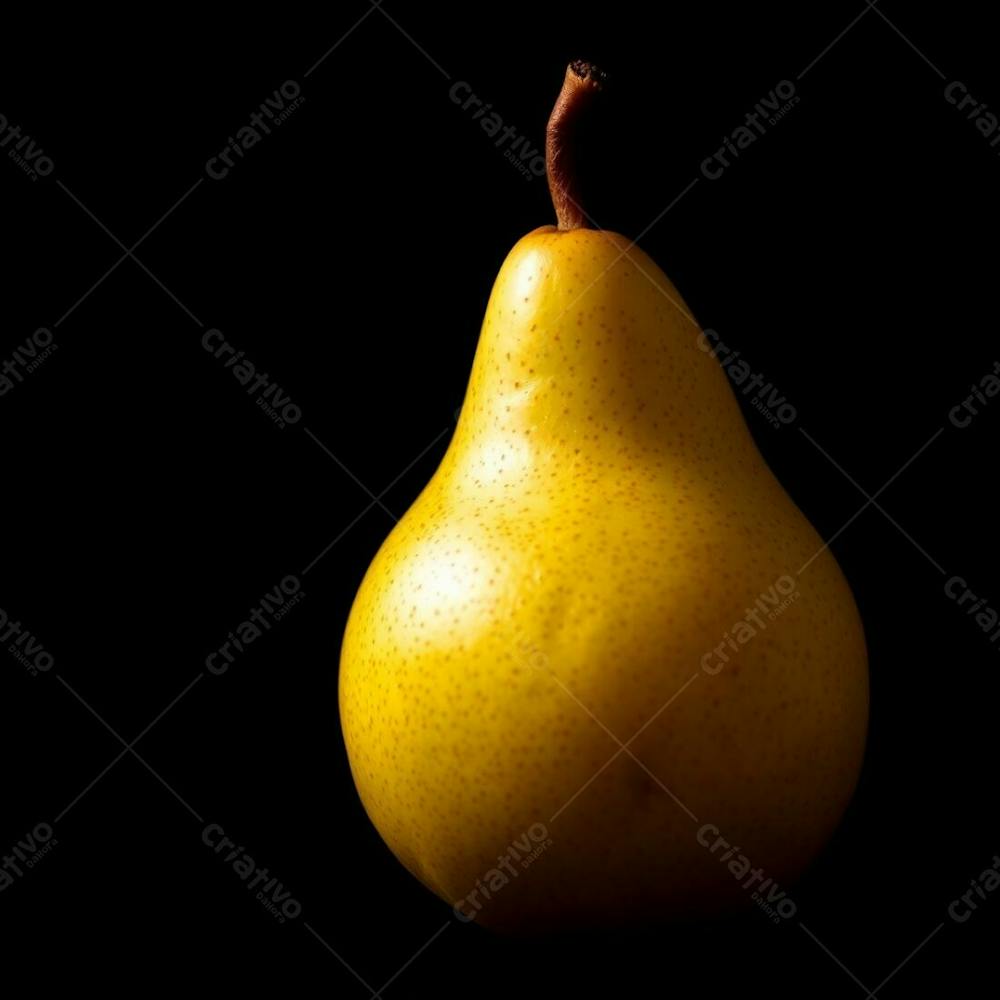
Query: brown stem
x,y
582,84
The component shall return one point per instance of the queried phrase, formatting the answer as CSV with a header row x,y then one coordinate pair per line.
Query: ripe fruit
x,y
602,551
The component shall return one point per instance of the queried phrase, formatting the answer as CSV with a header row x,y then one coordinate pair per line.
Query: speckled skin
x,y
601,521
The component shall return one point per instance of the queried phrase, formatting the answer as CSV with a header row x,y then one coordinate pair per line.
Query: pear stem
x,y
582,84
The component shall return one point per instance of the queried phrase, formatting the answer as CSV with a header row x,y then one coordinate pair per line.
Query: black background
x,y
149,504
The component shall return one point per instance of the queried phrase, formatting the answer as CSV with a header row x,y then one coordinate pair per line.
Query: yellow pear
x,y
603,670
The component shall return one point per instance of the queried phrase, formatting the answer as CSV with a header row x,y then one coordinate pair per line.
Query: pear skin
x,y
603,558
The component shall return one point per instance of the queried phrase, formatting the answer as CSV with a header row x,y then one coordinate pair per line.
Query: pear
x,y
603,670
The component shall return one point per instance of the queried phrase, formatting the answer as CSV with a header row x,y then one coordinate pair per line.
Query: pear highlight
x,y
603,648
